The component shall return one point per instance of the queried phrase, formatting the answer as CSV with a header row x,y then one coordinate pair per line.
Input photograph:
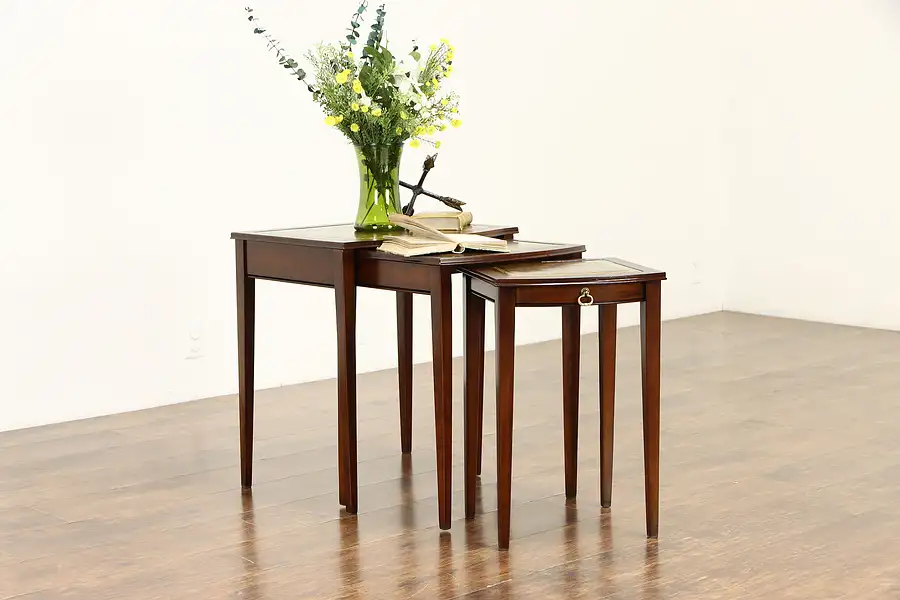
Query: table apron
x,y
483,289
296,264
394,275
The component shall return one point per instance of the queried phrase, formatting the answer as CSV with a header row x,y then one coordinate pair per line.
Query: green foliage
x,y
377,31
376,99
376,74
283,59
355,22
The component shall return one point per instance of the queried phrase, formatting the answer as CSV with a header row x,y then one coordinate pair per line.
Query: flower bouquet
x,y
379,101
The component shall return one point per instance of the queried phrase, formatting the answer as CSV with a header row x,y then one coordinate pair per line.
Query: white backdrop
x,y
815,200
137,136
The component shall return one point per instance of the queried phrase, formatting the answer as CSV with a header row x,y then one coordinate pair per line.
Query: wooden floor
x,y
780,479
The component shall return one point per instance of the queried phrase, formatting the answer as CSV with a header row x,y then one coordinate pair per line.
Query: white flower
x,y
411,66
404,84
406,74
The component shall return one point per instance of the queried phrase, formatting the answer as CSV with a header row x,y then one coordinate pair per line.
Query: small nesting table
x,y
572,285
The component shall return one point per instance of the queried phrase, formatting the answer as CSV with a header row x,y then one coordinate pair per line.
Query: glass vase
x,y
379,186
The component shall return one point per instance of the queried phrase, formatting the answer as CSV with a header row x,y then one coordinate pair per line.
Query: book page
x,y
415,241
480,240
410,246
417,227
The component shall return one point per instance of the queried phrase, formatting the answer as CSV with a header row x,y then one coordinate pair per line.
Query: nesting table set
x,y
530,274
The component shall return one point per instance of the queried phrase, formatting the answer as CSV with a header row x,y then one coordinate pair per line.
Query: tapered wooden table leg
x,y
345,300
442,342
571,359
405,367
246,322
505,324
474,392
607,399
650,370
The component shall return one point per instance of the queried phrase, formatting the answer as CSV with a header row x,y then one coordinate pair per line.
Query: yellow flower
x,y
330,121
364,108
434,81
415,143
445,102
399,130
449,69
357,86
355,106
450,55
456,122
445,41
354,127
350,55
433,47
339,118
376,112
431,129
453,109
428,84
342,77
403,115
437,145
442,128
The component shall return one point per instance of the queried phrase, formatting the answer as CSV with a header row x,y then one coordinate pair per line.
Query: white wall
x,y
815,200
135,136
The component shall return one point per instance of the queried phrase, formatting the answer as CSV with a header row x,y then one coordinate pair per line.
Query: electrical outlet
x,y
195,348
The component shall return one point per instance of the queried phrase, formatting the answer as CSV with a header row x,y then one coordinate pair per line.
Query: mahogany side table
x,y
339,257
571,285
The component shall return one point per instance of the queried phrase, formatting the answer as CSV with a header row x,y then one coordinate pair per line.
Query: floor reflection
x,y
349,563
507,591
249,553
570,543
408,583
446,578
475,570
407,497
650,583
606,530
607,556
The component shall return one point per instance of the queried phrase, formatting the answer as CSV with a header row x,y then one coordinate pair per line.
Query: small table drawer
x,y
584,294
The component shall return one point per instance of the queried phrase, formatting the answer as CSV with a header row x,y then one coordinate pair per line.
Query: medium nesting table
x,y
341,258
572,285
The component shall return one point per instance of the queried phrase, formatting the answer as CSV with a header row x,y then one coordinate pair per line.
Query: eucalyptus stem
x,y
283,59
355,22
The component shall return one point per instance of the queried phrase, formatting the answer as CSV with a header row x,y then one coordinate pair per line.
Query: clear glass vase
x,y
379,186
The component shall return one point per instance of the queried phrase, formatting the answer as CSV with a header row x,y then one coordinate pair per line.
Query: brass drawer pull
x,y
585,299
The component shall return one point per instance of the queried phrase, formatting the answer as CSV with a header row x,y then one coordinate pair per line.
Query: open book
x,y
424,239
